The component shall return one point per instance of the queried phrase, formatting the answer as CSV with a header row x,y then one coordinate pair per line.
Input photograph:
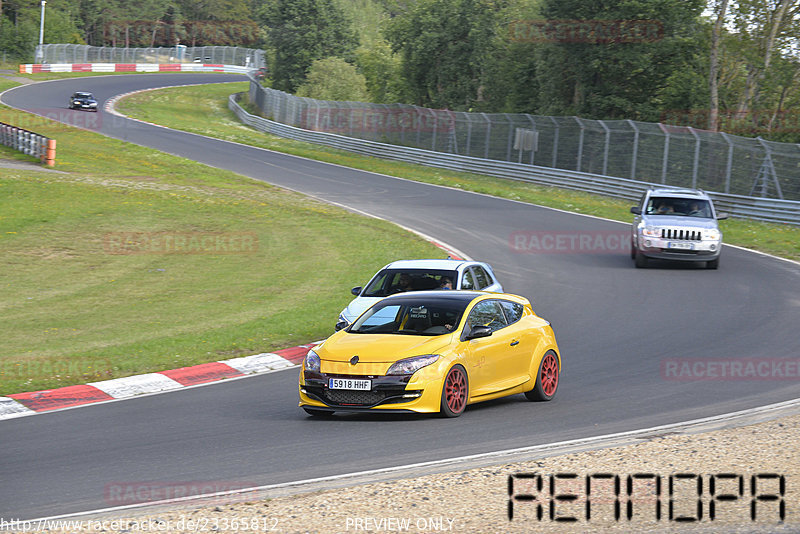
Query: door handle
x,y
514,343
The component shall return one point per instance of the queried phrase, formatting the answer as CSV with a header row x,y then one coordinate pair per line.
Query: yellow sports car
x,y
433,351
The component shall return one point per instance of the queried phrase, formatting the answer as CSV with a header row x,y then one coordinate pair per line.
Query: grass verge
x,y
203,110
135,261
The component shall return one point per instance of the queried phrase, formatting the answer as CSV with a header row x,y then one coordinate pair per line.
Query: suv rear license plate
x,y
349,383
687,246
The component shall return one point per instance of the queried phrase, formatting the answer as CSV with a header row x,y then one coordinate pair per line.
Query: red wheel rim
x,y
455,390
549,375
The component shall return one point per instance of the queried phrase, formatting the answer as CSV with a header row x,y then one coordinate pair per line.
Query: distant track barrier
x,y
29,143
31,68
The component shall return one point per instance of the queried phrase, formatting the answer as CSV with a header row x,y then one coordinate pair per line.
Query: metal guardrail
x,y
29,143
771,210
678,156
72,53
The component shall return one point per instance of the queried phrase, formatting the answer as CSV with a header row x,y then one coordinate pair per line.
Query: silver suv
x,y
676,224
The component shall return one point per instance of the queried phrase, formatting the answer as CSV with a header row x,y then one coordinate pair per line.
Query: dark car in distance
x,y
83,100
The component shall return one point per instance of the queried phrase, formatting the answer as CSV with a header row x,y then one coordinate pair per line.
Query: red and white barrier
x,y
31,68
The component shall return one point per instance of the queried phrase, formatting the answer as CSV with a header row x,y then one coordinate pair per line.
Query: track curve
x,y
615,326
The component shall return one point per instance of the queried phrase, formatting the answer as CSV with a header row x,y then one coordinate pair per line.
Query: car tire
x,y
455,392
633,251
712,264
640,260
547,379
317,413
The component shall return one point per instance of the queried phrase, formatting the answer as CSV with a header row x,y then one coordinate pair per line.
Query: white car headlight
x,y
409,366
311,361
712,234
651,231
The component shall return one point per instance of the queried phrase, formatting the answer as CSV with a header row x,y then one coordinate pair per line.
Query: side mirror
x,y
356,290
479,331
722,216
636,210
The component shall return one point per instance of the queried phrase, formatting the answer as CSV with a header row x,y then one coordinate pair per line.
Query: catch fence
x,y
642,151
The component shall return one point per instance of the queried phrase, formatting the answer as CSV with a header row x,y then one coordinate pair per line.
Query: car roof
x,y
678,192
83,93
459,295
449,265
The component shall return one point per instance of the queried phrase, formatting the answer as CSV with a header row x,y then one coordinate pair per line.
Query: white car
x,y
419,275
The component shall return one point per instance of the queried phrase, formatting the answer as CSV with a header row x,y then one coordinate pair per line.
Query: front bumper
x,y
388,394
670,249
81,105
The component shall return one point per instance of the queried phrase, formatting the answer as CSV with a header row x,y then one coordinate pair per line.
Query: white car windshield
x,y
391,281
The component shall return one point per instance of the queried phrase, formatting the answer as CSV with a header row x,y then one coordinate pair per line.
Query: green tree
x,y
447,49
381,68
334,79
301,31
594,77
19,28
766,28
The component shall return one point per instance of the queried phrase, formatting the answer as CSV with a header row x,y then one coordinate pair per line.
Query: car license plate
x,y
349,383
687,246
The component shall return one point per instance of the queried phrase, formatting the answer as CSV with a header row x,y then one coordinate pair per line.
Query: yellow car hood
x,y
380,348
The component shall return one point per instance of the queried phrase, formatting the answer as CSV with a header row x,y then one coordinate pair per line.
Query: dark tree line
x,y
710,63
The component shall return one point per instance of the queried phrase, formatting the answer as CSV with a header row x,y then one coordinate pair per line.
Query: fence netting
x,y
223,55
648,152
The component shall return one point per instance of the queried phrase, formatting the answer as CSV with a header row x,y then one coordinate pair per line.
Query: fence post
x,y
771,169
605,147
533,122
635,148
580,143
555,142
696,157
433,140
469,134
729,164
488,134
665,158
418,111
510,138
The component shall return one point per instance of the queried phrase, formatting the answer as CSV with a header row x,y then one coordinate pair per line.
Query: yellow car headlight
x,y
409,366
311,361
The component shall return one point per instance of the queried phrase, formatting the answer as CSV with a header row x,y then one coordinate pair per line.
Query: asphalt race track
x,y
617,328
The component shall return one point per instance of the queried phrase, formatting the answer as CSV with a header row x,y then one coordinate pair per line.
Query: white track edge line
x,y
143,395
595,442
